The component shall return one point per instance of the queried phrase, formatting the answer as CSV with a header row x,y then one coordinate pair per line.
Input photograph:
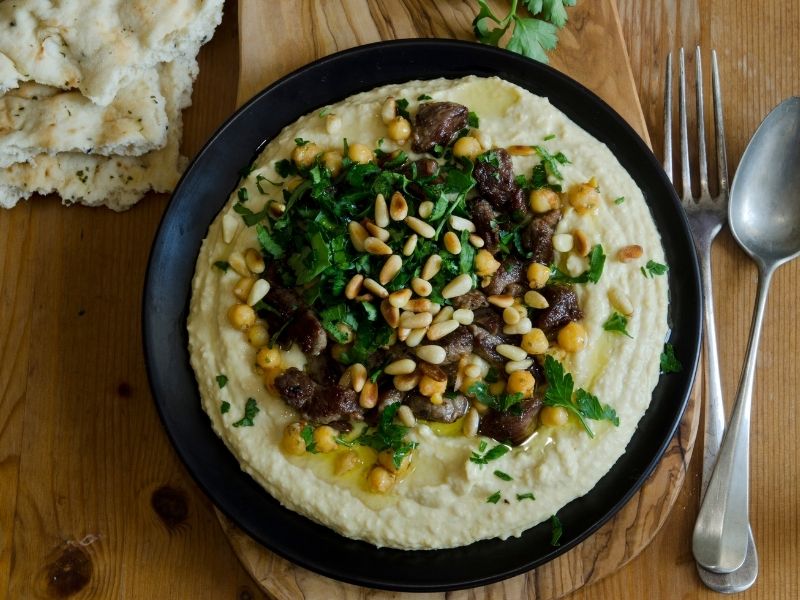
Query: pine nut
x,y
620,301
376,288
629,253
353,286
412,320
388,110
444,314
431,267
406,417
381,211
421,287
418,305
472,371
378,232
535,300
237,263
400,298
242,288
521,327
390,269
425,209
230,225
461,224
346,380
358,376
402,333
459,286
398,207
419,226
432,354
375,246
464,316
518,365
406,383
415,337
258,291
562,242
521,150
501,300
369,395
358,235
391,314
511,316
580,243
476,240
404,366
435,308
511,352
276,209
410,245
333,123
470,425
438,330
364,298
254,260
451,243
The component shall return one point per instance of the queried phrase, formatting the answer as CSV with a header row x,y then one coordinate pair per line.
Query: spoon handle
x,y
720,535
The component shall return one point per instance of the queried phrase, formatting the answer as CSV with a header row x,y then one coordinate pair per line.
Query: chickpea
x,y
543,200
553,416
572,337
292,442
268,358
386,460
241,316
485,263
303,156
325,438
258,335
467,147
338,350
497,388
399,129
534,342
521,382
268,377
332,160
428,386
347,461
538,274
360,153
467,382
584,198
380,480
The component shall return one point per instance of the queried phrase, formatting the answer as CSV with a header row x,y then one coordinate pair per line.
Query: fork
x,y
706,215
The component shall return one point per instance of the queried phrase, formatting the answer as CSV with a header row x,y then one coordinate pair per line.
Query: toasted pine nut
x,y
369,395
419,226
511,352
390,269
415,337
402,333
388,110
412,320
535,300
521,150
391,314
444,314
346,380
410,245
432,354
464,316
400,297
398,207
376,288
431,267
353,286
459,286
276,209
451,243
375,246
629,253
333,123
406,383
476,240
425,209
357,235
421,287
254,260
406,417
230,225
378,232
237,263
563,242
511,316
435,308
358,376
501,300
469,426
472,371
620,301
461,224
381,211
523,326
580,243
258,291
418,305
242,288
438,330
364,298
518,365
404,366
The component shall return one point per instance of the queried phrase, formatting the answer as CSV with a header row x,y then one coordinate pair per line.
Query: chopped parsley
x,y
617,322
552,136
422,97
669,362
389,436
401,106
222,265
250,411
558,530
473,120
224,407
619,200
551,161
494,498
526,496
325,112
502,475
243,195
652,268
307,433
597,260
222,380
301,142
492,454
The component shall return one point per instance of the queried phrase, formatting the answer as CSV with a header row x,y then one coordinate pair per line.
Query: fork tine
x,y
668,119
701,125
686,181
722,157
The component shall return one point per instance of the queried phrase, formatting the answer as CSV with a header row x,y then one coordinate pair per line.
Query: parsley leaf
x,y
473,120
502,475
494,498
558,530
669,362
307,433
250,411
243,195
532,38
492,454
617,322
301,142
224,407
653,268
389,436
502,403
222,380
222,265
526,496
267,242
422,97
619,200
597,259
551,161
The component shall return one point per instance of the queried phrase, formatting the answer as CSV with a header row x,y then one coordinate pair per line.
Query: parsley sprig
x,y
502,403
617,322
389,436
481,458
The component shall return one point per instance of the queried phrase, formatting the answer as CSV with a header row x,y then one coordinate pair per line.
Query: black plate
x,y
203,191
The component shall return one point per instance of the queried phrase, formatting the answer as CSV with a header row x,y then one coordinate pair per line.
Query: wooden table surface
x,y
94,503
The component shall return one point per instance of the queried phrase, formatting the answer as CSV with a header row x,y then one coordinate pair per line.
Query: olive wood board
x,y
592,51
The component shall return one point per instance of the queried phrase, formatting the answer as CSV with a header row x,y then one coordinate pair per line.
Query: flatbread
x,y
115,181
98,46
39,119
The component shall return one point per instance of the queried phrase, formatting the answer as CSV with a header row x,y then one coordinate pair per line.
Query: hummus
x,y
445,499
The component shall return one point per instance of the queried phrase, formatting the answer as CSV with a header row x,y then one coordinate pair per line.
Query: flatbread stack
x,y
91,94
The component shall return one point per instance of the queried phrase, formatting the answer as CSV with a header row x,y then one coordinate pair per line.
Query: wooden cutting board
x,y
277,37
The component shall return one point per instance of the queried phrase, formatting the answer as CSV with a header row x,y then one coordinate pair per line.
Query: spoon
x,y
764,217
